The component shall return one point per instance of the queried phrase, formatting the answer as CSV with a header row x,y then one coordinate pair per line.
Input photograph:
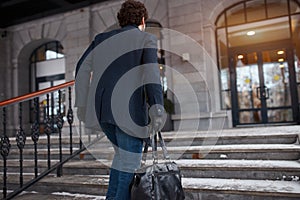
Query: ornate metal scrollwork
x,y
35,131
59,120
21,138
70,116
4,146
48,125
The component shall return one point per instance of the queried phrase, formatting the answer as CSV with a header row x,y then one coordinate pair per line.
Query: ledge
x,y
203,115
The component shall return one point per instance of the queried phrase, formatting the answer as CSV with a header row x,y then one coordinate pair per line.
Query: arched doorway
x,y
258,58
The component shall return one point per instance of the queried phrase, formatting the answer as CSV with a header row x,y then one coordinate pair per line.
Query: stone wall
x,y
77,28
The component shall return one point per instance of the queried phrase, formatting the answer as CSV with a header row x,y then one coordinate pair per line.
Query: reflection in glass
x,y
294,7
255,10
236,15
225,88
297,70
247,117
265,31
280,115
276,79
247,78
277,8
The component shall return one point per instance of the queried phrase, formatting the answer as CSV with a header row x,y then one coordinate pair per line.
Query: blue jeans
x,y
127,158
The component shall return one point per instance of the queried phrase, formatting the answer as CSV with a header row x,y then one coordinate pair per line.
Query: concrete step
x,y
195,188
89,184
231,164
236,189
187,138
57,196
237,151
239,169
197,168
226,138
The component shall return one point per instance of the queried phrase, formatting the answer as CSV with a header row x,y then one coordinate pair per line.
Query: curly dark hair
x,y
131,13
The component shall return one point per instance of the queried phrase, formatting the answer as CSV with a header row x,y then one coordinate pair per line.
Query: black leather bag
x,y
159,181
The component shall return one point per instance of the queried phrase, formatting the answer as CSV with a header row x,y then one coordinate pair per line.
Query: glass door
x,y
248,87
264,87
276,81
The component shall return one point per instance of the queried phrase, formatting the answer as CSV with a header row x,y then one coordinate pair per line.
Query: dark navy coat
x,y
118,78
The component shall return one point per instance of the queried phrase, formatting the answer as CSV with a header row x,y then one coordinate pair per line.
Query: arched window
x,y
258,45
47,66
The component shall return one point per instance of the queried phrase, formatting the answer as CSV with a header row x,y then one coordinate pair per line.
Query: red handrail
x,y
35,94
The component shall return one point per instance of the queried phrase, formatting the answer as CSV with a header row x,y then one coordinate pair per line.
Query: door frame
x,y
287,44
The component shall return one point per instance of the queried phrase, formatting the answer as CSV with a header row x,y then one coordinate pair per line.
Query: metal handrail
x,y
35,94
48,123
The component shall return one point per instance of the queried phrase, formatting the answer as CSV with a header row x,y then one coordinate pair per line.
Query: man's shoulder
x,y
103,36
125,33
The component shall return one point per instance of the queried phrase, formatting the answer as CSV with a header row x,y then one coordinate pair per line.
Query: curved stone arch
x,y
23,65
218,9
26,41
58,31
55,30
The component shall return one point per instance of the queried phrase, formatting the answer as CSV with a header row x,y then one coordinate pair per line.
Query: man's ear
x,y
142,26
143,21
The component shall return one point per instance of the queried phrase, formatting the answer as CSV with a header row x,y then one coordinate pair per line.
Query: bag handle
x,y
154,148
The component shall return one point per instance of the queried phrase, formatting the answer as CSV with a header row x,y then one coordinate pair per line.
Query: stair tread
x,y
244,164
216,148
57,195
259,132
272,188
265,186
197,173
258,187
275,165
205,163
196,149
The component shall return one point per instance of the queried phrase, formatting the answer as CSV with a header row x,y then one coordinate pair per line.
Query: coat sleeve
x,y
153,91
83,77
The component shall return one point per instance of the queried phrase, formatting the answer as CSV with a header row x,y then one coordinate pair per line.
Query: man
x,y
115,79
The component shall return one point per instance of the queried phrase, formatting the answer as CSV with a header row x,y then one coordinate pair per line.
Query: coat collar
x,y
128,27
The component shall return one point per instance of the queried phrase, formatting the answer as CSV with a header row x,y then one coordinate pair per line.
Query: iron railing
x,y
47,118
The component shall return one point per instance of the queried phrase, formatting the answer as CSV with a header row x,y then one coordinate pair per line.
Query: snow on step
x,y
245,164
32,195
204,163
259,187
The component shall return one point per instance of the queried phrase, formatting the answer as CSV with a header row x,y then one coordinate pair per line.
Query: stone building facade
x,y
193,20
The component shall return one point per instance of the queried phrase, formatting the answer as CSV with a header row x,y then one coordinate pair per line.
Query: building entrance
x,y
264,87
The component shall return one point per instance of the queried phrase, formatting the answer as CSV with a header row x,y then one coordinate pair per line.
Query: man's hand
x,y
81,113
158,117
